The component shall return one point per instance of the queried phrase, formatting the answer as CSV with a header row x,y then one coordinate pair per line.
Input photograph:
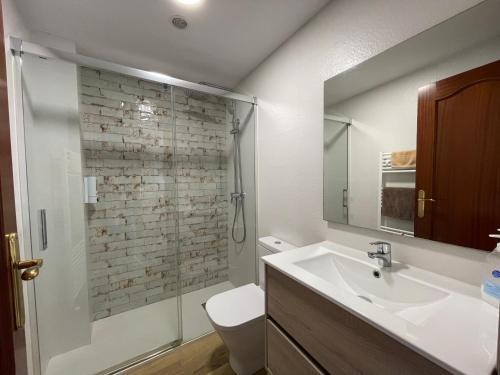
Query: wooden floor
x,y
205,356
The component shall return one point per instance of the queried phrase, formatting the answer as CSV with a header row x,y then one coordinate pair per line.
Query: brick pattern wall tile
x,y
127,142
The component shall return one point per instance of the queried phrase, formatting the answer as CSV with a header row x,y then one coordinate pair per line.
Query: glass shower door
x,y
217,246
336,171
102,206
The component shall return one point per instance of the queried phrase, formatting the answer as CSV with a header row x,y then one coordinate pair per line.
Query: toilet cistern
x,y
383,253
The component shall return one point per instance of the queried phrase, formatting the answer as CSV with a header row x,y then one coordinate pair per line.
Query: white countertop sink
x,y
389,290
442,318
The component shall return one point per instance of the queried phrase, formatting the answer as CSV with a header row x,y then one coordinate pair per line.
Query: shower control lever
x,y
237,196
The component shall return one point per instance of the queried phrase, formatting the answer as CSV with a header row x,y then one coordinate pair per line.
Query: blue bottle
x,y
491,278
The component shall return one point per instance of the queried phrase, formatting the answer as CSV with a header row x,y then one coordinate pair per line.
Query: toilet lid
x,y
236,306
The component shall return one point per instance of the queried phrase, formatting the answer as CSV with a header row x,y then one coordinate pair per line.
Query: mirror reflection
x,y
411,136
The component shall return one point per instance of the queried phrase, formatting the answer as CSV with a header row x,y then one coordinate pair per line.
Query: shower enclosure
x,y
336,168
139,195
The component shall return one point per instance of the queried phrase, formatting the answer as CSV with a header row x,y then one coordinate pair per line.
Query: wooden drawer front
x,y
283,357
339,341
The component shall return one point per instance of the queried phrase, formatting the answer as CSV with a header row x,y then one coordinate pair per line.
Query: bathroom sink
x,y
387,289
440,317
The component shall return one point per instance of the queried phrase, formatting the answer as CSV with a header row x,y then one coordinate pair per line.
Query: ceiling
x,y
468,29
224,41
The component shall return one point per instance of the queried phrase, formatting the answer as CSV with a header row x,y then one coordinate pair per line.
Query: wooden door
x,y
458,158
12,344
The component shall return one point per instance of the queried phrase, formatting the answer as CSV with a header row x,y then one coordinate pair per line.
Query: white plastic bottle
x,y
491,279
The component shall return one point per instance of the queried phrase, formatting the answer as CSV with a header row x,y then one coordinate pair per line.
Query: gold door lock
x,y
30,269
421,203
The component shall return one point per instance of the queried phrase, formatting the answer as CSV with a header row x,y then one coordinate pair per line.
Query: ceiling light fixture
x,y
189,2
179,22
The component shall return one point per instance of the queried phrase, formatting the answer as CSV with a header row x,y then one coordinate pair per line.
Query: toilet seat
x,y
236,307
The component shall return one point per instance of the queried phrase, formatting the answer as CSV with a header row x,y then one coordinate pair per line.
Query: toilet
x,y
238,315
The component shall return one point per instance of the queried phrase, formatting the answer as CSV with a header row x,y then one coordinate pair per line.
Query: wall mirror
x,y
412,135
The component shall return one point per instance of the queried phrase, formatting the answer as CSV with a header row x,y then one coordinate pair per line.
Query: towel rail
x,y
399,177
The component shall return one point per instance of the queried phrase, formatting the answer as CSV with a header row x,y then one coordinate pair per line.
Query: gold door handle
x,y
23,264
421,203
31,269
30,273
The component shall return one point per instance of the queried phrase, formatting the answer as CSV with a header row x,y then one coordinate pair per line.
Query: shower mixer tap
x,y
236,127
237,196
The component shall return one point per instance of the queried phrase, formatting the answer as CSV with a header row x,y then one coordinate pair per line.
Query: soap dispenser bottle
x,y
491,279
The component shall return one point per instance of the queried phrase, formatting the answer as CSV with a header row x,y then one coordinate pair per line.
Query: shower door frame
x,y
347,123
18,47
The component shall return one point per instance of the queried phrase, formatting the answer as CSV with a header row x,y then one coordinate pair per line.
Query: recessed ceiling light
x,y
189,2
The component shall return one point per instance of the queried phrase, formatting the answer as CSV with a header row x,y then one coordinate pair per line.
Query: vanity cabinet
x,y
308,334
284,356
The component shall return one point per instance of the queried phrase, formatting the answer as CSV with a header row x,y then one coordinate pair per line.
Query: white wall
x,y
289,85
12,21
385,120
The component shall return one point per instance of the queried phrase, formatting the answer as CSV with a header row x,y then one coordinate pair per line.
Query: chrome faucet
x,y
383,253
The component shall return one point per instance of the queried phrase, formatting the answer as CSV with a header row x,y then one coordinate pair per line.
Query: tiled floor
x,y
205,356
